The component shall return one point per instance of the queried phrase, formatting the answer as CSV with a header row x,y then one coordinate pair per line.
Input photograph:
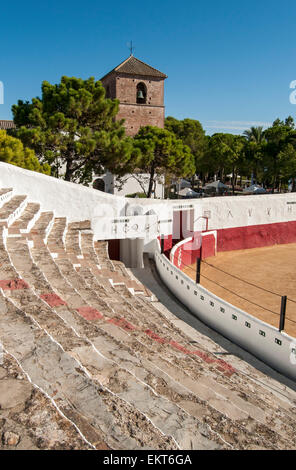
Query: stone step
x,y
53,274
41,228
128,309
101,250
31,301
89,295
82,225
28,302
239,411
67,384
72,240
58,282
144,367
26,221
225,403
67,272
5,195
120,268
29,420
57,235
12,209
91,281
123,384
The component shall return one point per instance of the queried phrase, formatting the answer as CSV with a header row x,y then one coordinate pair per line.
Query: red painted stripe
x,y
13,284
205,357
53,300
122,323
155,337
90,313
178,346
255,236
225,366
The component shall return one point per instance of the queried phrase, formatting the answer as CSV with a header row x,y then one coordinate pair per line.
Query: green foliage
x,y
255,134
72,125
270,155
160,151
279,153
225,154
12,151
191,133
72,128
139,195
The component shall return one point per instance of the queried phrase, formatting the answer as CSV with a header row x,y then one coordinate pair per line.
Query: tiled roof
x,y
5,124
134,66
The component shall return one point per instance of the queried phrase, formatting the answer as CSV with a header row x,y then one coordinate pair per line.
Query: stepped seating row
x,y
112,364
28,418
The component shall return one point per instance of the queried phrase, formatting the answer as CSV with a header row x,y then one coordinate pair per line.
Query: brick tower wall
x,y
137,116
124,88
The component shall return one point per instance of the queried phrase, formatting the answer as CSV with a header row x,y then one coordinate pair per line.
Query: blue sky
x,y
229,64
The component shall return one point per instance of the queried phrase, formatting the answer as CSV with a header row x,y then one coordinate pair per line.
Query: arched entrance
x,y
99,184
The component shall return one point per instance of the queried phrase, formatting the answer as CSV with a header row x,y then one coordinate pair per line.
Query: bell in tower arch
x,y
141,93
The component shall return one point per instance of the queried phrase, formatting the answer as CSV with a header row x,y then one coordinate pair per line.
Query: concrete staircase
x,y
87,337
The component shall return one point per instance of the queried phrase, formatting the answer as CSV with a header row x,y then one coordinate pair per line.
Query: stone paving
x,y
112,370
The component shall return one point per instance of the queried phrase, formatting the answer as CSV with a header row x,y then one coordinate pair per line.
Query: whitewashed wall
x,y
241,211
229,320
128,184
79,202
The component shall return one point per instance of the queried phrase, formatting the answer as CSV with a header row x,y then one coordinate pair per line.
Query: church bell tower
x,y
140,91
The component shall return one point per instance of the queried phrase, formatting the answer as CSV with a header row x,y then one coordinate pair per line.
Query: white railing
x,y
275,348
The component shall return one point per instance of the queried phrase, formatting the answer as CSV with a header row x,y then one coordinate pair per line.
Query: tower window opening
x,y
141,93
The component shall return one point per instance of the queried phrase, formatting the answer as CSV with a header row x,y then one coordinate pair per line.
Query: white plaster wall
x,y
131,186
240,211
208,309
78,202
128,184
75,201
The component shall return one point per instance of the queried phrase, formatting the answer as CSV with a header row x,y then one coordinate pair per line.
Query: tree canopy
x,y
12,151
191,132
72,126
269,155
160,151
225,154
279,153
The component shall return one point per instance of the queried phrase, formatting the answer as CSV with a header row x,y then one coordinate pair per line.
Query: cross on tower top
x,y
131,48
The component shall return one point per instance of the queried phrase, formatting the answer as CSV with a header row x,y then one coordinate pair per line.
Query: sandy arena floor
x,y
273,268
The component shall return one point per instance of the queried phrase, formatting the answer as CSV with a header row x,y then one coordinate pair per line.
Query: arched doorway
x,y
99,184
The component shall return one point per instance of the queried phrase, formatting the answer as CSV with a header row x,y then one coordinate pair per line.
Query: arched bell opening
x,y
141,93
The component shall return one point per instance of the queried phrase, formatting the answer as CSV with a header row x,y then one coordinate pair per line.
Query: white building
x,y
129,184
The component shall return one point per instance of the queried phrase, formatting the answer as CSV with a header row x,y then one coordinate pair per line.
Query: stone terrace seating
x,y
121,375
